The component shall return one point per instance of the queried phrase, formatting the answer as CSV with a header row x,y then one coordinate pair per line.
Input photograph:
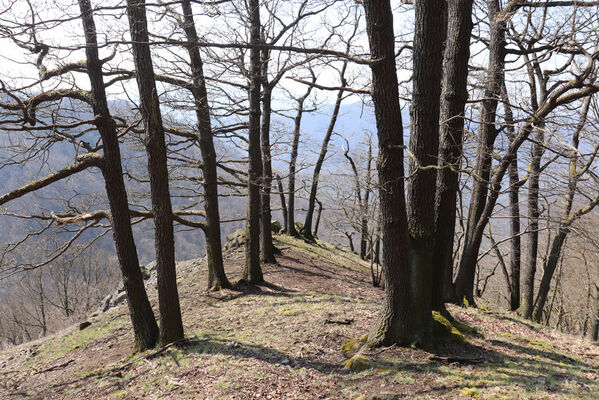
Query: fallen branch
x,y
55,367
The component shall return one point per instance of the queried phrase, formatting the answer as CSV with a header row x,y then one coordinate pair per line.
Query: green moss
x,y
352,347
442,328
358,363
470,392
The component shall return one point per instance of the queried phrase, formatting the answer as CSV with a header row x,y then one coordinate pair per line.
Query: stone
x,y
235,239
118,299
151,266
105,304
84,325
275,226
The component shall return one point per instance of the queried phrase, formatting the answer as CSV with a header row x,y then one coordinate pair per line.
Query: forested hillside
x,y
449,145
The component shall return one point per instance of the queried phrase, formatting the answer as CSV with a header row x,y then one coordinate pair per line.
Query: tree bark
x,y
527,306
487,132
253,272
515,241
171,326
424,146
145,328
267,247
217,278
400,321
453,101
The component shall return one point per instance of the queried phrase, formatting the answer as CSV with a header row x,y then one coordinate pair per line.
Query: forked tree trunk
x,y
171,326
253,272
401,320
145,329
217,278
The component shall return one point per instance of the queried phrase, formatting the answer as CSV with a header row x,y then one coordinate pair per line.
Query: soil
x,y
282,340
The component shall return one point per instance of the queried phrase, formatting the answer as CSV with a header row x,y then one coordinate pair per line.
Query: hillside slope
x,y
282,341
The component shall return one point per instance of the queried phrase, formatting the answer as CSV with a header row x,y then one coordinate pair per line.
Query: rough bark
x,y
216,272
398,321
252,272
487,132
424,146
453,101
145,328
171,326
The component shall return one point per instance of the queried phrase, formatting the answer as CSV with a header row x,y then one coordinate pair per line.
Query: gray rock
x,y
118,299
105,304
151,266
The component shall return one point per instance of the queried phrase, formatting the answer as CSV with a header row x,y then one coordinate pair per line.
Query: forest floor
x,y
283,340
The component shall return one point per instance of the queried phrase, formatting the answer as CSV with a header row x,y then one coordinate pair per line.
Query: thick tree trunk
x,y
453,101
424,145
487,132
171,326
145,329
216,272
401,320
253,272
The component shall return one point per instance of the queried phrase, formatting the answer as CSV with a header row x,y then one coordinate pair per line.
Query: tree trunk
x,y
307,229
145,328
397,322
283,203
487,132
527,306
548,270
424,145
217,278
171,326
594,332
267,247
253,272
318,215
566,220
297,122
515,241
453,101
